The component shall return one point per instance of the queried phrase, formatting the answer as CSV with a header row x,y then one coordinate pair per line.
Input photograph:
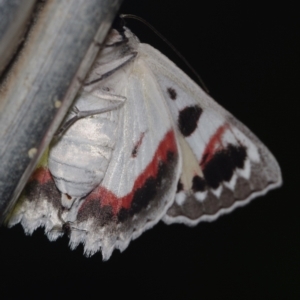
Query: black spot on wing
x,y
179,186
172,93
137,146
198,184
188,119
134,152
223,164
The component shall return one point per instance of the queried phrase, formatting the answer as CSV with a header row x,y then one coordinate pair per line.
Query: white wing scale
x,y
168,152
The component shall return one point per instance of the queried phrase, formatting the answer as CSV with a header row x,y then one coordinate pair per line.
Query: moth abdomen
x,y
79,159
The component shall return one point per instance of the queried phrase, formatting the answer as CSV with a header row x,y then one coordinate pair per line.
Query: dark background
x,y
247,52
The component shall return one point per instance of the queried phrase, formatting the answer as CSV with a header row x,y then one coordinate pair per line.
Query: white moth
x,y
142,143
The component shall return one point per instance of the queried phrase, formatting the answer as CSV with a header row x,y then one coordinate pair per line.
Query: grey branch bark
x,y
44,79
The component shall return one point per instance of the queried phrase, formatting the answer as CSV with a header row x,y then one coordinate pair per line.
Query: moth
x,y
142,143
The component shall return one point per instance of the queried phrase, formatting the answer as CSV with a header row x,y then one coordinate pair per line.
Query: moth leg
x,y
115,44
67,226
122,63
87,113
59,228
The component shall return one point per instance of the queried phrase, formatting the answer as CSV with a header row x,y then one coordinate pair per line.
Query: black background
x,y
247,52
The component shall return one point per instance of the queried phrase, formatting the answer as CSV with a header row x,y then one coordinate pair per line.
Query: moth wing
x,y
141,179
224,165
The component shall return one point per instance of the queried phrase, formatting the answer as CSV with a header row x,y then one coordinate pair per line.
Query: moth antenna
x,y
130,16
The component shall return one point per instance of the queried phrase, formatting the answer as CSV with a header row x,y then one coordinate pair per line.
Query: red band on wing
x,y
42,175
213,145
167,145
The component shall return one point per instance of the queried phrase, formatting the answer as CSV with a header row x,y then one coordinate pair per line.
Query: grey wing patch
x,y
39,205
188,119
